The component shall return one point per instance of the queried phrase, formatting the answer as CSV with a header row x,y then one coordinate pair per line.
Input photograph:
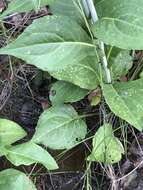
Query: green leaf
x,y
10,132
141,74
106,147
125,100
11,179
18,6
95,100
61,47
64,92
70,8
29,153
120,23
120,62
60,128
3,150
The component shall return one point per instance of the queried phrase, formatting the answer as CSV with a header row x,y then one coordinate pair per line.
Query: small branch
x,y
105,63
94,17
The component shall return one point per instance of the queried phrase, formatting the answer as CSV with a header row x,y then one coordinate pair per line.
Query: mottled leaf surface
x,y
64,92
106,147
3,150
120,62
120,23
10,132
11,179
29,153
60,127
61,47
70,8
125,100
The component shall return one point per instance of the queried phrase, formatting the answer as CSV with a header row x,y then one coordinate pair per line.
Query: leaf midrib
x,y
50,43
122,21
59,126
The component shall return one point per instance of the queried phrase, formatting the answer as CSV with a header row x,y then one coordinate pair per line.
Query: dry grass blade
x,y
5,93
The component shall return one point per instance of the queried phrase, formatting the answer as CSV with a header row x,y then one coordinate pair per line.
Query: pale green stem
x,y
94,17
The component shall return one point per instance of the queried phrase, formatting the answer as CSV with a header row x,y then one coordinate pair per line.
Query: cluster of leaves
x,y
66,46
25,153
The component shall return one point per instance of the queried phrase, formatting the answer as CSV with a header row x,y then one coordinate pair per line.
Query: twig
x,y
94,17
122,178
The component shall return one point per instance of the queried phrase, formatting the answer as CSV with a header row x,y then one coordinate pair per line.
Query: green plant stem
x,y
94,17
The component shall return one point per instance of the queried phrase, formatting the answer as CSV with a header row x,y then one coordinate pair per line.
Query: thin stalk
x,y
109,53
94,17
83,9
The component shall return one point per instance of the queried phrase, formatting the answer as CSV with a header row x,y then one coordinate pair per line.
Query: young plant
x,y
21,154
85,46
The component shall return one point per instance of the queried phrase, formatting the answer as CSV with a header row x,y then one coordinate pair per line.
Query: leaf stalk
x,y
94,18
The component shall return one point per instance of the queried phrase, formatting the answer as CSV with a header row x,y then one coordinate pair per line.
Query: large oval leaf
x,y
61,47
18,6
64,92
10,132
11,179
60,128
29,153
106,147
125,100
120,23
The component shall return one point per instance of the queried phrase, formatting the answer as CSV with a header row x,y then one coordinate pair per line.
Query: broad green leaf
x,y
70,8
141,74
11,179
29,153
120,23
64,92
61,47
60,128
125,100
106,147
3,150
10,132
120,62
18,6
